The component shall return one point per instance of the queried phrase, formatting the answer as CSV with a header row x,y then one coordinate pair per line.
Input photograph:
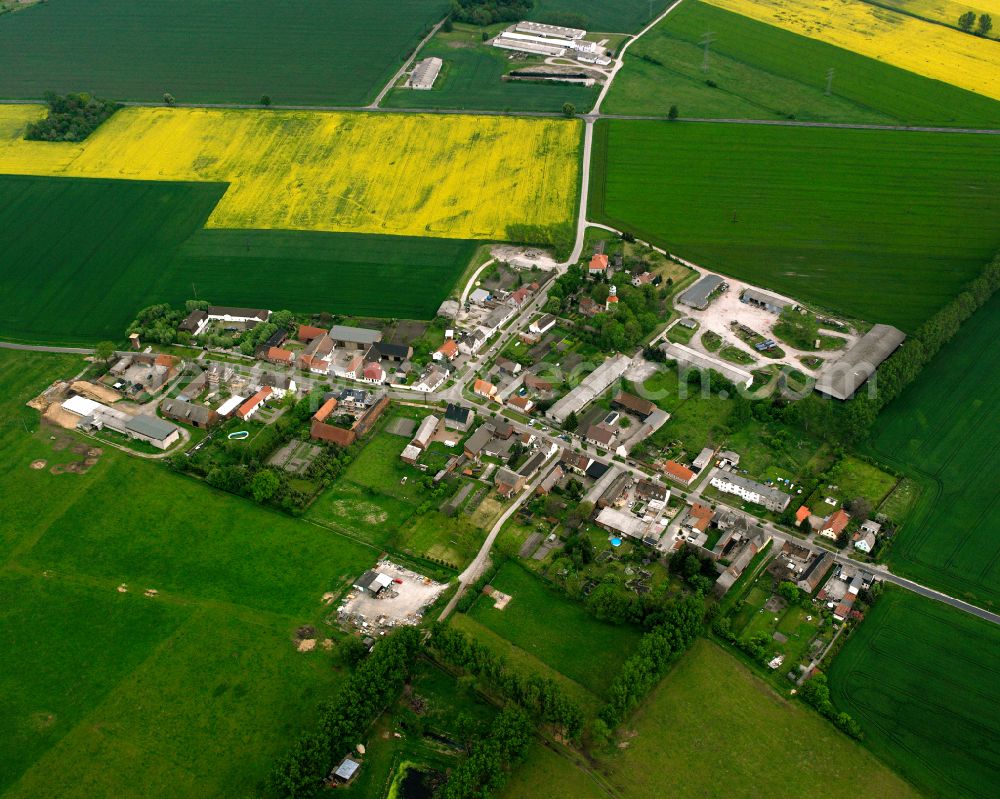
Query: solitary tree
x,y
967,20
673,113
985,25
104,350
168,98
265,99
569,109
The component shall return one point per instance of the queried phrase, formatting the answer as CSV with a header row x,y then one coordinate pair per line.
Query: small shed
x,y
346,771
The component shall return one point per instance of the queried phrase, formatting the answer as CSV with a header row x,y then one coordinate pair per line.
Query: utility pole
x,y
706,40
829,81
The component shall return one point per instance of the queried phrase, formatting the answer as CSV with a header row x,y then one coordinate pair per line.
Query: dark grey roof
x,y
246,313
596,469
192,320
392,350
355,335
479,439
533,464
150,426
457,413
848,373
188,411
697,295
764,298
276,338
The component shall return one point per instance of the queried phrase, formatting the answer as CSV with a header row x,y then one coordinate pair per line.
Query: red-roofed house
x,y
325,410
278,355
801,515
307,333
373,373
598,265
678,473
252,405
484,389
521,403
447,351
834,524
518,297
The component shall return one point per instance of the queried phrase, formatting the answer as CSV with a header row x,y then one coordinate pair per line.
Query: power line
x,y
829,80
706,40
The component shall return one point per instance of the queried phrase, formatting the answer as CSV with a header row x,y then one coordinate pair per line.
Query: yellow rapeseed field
x,y
947,11
404,174
925,48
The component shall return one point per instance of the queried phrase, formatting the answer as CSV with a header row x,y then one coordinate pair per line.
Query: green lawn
x,y
763,72
549,772
923,681
301,52
110,693
841,218
472,78
79,257
943,431
763,744
556,630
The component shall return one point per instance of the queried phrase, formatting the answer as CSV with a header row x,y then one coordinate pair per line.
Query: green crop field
x,y
881,225
626,16
556,630
764,745
108,692
763,72
472,78
923,681
300,52
943,429
79,257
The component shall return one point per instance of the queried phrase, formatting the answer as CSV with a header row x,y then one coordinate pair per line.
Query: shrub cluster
x,y
72,117
376,682
486,12
483,773
542,697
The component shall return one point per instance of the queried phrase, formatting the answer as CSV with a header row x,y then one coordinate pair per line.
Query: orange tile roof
x,y
325,410
802,513
308,332
449,349
278,354
599,263
484,388
247,407
675,470
836,521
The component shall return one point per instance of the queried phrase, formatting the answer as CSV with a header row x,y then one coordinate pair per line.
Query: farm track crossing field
x,y
923,47
79,257
406,175
710,702
764,72
109,693
943,429
556,630
923,681
880,225
300,52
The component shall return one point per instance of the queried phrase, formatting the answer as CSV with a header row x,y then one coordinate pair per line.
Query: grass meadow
x,y
109,693
922,679
439,176
764,72
943,430
303,53
624,16
371,502
765,745
472,78
79,257
879,225
873,30
559,632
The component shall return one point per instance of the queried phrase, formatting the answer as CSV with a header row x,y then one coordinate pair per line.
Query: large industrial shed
x,y
697,295
841,378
